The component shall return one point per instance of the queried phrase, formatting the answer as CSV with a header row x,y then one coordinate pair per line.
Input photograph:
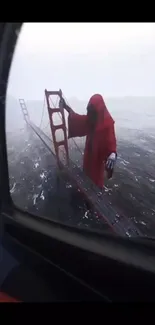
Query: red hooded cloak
x,y
98,146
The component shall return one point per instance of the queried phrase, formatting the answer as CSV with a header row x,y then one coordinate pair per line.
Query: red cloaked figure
x,y
98,127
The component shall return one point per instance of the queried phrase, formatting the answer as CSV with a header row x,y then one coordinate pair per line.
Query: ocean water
x,y
37,186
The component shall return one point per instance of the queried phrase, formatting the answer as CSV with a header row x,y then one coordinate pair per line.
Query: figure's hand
x,y
62,103
111,161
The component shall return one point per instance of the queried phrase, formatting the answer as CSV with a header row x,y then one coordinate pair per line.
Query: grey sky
x,y
81,59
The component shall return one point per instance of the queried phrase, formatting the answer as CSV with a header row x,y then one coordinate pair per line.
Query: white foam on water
x,y
150,150
107,189
151,180
86,214
132,196
134,219
42,175
13,188
68,186
35,196
36,165
124,162
127,233
42,195
137,154
142,222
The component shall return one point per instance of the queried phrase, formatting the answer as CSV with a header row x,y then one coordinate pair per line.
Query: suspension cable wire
x,y
43,110
52,102
46,126
66,100
56,101
78,148
37,132
89,183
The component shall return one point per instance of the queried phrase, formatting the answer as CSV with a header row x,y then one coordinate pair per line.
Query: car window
x,y
97,171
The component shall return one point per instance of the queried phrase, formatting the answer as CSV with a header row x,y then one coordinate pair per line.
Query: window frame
x,y
130,251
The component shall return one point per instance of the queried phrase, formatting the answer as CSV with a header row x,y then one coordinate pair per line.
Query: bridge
x,y
61,150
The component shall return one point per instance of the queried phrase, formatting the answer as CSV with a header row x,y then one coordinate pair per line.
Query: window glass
x,y
103,176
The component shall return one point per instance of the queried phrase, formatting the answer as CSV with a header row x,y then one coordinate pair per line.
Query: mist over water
x,y
33,171
126,81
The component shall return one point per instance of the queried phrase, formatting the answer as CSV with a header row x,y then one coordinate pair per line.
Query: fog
x,y
82,59
114,59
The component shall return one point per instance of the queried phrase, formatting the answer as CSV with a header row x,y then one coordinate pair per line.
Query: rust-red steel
x,y
54,128
24,109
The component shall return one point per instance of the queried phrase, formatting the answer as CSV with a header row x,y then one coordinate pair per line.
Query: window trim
x,y
8,38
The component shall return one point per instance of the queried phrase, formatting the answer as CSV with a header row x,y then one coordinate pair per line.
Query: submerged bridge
x,y
62,151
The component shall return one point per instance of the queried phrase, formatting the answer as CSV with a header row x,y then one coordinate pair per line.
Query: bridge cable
x,y
43,110
67,130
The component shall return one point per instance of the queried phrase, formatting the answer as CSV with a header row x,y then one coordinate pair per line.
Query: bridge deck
x,y
119,224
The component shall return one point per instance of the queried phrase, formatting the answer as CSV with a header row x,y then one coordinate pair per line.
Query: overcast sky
x,y
114,59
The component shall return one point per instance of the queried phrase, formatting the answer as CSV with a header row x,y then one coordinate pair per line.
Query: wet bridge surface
x,y
38,186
